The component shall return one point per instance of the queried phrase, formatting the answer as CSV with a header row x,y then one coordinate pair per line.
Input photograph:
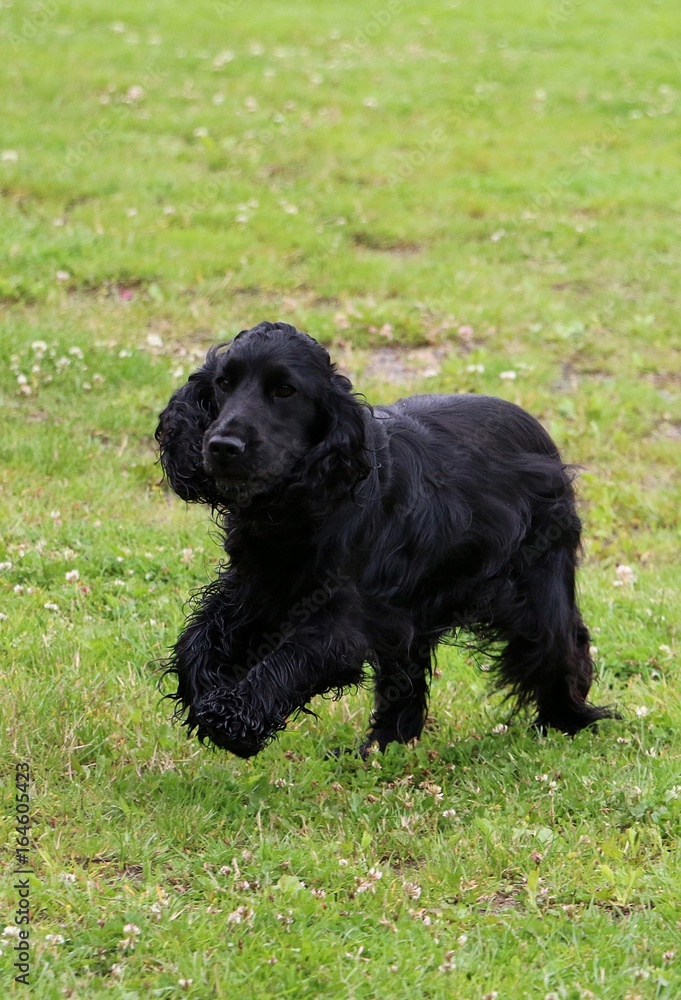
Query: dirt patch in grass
x,y
668,429
382,244
395,365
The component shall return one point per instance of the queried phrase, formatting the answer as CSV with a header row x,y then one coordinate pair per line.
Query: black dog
x,y
365,536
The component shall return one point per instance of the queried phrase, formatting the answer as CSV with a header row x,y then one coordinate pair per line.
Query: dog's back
x,y
473,421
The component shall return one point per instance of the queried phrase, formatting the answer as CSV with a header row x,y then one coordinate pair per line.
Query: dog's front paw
x,y
377,741
227,720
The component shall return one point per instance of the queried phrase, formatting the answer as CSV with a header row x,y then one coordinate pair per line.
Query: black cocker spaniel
x,y
360,535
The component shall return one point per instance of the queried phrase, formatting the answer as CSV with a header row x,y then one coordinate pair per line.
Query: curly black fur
x,y
363,536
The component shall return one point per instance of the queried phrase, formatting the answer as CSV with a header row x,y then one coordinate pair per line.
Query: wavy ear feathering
x,y
181,427
341,457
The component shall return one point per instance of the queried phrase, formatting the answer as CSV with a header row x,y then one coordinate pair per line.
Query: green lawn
x,y
443,193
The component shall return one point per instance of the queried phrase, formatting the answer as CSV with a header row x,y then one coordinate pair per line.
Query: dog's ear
x,y
339,460
181,427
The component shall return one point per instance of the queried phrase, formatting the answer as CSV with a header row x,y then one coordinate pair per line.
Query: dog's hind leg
x,y
401,687
546,661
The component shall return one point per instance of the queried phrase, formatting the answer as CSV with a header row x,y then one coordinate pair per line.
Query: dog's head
x,y
267,411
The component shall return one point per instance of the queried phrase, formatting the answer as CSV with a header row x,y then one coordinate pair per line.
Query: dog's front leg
x,y
326,654
211,650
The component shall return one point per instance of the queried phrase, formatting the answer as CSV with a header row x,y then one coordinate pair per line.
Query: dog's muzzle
x,y
222,455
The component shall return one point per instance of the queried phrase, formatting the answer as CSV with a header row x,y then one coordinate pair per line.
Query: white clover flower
x,y
221,60
449,964
625,575
242,914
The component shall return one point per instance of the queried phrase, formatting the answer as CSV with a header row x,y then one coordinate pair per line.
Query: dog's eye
x,y
284,391
222,383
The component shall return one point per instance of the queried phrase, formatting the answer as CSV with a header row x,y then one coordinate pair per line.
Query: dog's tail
x,y
546,661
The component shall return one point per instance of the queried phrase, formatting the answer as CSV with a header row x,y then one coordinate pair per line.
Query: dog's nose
x,y
226,446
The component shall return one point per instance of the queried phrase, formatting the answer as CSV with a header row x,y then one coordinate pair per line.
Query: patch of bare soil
x,y
390,364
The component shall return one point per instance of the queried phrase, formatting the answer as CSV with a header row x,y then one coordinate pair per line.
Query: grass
x,y
443,194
